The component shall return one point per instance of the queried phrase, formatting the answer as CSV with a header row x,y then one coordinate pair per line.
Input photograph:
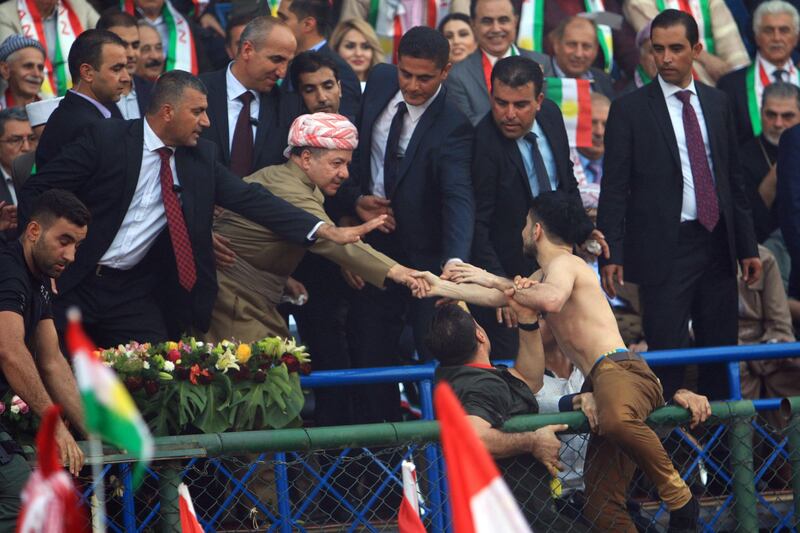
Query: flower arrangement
x,y
16,416
190,385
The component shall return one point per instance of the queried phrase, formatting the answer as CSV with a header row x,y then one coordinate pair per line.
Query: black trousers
x,y
504,340
701,287
117,306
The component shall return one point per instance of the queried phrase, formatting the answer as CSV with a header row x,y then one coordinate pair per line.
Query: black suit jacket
x,y
275,115
734,84
757,155
433,200
503,193
102,168
642,190
69,119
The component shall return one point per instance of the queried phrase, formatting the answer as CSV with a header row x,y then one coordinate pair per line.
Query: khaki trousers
x,y
626,392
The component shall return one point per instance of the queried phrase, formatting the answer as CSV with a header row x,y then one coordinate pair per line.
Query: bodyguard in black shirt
x,y
31,362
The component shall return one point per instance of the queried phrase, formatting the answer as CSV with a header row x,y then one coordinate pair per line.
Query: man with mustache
x,y
136,96
151,52
22,70
31,362
320,149
495,25
575,49
776,25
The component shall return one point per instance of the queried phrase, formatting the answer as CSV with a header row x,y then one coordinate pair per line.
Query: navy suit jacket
x,y
641,195
503,193
275,115
433,199
789,204
102,168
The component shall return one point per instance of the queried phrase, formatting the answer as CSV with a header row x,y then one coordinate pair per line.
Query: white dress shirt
x,y
235,90
129,105
145,217
12,191
380,136
512,50
675,108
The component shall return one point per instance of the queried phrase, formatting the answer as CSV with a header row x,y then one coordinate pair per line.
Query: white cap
x,y
39,112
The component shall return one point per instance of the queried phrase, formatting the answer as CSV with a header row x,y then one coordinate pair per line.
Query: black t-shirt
x,y
493,394
22,293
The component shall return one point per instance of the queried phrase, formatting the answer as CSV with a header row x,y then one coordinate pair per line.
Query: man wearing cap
x,y
320,148
38,113
22,70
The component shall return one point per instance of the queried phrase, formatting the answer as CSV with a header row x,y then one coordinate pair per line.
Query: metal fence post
x,y
282,484
168,481
790,407
128,503
436,486
740,441
734,381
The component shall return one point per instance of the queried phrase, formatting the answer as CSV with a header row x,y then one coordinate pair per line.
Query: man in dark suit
x,y
310,21
576,48
776,32
413,163
494,23
136,96
788,188
505,175
250,118
673,206
131,278
97,61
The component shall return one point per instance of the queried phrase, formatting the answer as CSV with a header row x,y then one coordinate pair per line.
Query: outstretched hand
x,y
350,234
466,273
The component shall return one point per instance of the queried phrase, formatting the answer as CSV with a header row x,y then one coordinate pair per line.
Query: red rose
x,y
134,383
173,355
151,387
259,376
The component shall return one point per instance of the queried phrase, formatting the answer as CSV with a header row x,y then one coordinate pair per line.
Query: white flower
x,y
145,365
169,366
15,409
227,361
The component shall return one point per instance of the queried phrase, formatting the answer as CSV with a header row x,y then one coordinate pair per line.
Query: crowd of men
x,y
196,161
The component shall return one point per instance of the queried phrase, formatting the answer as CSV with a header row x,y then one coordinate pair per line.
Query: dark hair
x,y
241,19
307,62
88,49
319,10
11,113
113,17
422,42
562,216
516,5
779,90
516,71
452,16
169,88
673,17
451,337
56,203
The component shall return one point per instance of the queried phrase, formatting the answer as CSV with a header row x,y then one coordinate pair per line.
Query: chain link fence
x,y
744,469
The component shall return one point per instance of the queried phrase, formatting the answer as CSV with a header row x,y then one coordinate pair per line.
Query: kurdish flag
x,y
109,409
574,98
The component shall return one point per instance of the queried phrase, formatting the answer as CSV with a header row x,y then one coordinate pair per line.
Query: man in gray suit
x,y
495,25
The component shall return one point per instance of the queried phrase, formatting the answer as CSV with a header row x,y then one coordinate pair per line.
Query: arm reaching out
x,y
469,292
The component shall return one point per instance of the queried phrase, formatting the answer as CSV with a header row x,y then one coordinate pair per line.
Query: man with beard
x,y
22,70
31,362
136,96
626,391
151,52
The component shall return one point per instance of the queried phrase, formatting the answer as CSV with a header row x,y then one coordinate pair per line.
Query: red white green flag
x,y
181,52
189,523
574,98
110,412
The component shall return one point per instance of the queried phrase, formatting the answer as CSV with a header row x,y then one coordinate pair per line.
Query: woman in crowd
x,y
356,42
456,28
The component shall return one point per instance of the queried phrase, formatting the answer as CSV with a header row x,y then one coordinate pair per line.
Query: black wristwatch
x,y
528,327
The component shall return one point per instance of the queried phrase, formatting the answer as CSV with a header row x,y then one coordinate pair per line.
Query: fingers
x,y
390,225
76,459
224,256
366,227
608,281
353,280
218,210
509,317
558,427
499,315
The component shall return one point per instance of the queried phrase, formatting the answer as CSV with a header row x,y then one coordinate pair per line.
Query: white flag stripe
x,y
495,509
410,484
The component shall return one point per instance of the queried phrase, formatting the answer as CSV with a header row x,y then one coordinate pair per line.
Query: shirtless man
x,y
626,391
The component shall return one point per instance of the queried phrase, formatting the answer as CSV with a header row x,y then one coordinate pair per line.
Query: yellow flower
x,y
172,345
243,353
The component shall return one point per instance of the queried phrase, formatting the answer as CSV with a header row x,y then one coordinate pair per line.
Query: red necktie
x,y
242,145
182,246
704,191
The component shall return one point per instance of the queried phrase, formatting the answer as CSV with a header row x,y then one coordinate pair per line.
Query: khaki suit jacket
x,y
250,290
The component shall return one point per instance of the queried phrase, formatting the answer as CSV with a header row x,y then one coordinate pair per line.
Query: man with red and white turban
x,y
320,148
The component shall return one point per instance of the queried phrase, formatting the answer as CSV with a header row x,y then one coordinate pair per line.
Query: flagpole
x,y
98,486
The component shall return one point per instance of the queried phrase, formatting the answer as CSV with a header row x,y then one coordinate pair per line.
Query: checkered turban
x,y
322,130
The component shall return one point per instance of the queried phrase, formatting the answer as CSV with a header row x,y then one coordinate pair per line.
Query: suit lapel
x,y
372,110
265,105
425,122
712,116
220,119
512,149
548,128
658,106
475,69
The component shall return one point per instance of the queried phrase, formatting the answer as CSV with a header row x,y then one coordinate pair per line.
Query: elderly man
x,y
575,46
589,163
151,52
775,24
495,25
320,148
16,138
22,69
